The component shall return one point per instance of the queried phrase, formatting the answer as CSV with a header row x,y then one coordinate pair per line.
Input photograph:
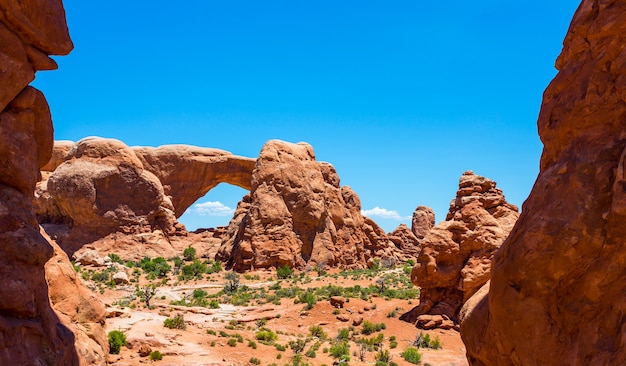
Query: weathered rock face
x,y
423,220
77,308
31,333
404,239
101,188
297,214
455,257
558,287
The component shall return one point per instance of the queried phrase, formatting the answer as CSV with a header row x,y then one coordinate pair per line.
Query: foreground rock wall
x,y
31,333
455,256
558,287
298,215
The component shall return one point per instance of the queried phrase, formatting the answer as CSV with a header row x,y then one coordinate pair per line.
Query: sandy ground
x,y
197,346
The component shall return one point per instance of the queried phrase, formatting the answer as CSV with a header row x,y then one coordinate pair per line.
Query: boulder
x,y
337,301
120,278
298,215
455,256
558,284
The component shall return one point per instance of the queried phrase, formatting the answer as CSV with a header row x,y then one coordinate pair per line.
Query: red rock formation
x,y
101,188
189,172
455,257
298,215
558,286
404,239
31,333
77,308
110,195
423,220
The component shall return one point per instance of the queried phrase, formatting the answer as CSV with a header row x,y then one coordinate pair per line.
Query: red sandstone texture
x,y
558,285
455,256
100,190
298,215
31,333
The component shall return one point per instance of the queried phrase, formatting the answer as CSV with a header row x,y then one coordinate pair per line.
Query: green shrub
x,y
115,258
309,298
310,353
156,356
266,335
252,344
232,342
344,334
195,269
284,272
255,361
280,347
232,282
341,350
317,331
369,327
412,355
424,341
178,322
211,332
117,339
383,356
189,254
213,304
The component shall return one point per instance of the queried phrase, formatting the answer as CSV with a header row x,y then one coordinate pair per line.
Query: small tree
x,y
189,254
146,293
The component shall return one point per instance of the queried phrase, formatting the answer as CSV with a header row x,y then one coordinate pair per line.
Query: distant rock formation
x,y
31,332
404,239
101,187
298,215
423,220
558,284
455,256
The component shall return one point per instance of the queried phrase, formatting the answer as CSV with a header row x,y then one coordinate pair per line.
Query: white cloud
x,y
212,209
383,213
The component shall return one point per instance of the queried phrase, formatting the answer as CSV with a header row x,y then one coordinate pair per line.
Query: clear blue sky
x,y
400,96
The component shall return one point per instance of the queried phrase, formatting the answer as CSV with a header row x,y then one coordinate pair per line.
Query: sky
x,y
400,96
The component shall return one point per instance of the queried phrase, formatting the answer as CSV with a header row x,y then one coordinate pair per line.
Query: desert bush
x,y
189,254
340,350
309,298
383,356
369,327
177,322
156,356
232,342
117,339
266,336
423,341
412,355
232,282
284,272
115,258
255,361
317,331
